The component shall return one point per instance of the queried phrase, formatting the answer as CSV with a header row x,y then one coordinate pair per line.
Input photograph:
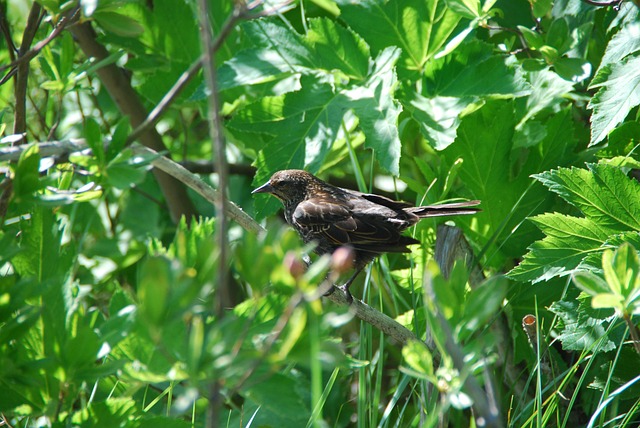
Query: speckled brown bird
x,y
332,217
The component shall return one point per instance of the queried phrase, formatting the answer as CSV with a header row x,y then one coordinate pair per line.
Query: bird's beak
x,y
265,188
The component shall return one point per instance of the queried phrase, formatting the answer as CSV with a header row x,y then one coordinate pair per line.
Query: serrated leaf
x,y
568,241
580,331
378,111
603,193
625,42
618,93
278,52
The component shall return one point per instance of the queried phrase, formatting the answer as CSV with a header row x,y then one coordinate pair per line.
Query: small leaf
x,y
534,39
590,283
608,301
119,24
418,357
156,278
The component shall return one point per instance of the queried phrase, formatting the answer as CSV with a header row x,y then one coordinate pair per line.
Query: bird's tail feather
x,y
456,208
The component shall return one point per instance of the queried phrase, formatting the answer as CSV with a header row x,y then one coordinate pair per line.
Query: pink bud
x,y
342,259
294,265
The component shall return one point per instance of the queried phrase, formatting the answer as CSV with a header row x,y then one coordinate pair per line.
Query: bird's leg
x,y
345,287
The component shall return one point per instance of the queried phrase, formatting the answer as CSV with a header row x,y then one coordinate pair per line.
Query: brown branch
x,y
22,70
129,104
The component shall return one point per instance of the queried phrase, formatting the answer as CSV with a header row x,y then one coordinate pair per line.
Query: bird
x,y
332,217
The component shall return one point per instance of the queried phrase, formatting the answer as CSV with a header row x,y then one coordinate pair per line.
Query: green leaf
x,y
603,193
420,29
540,8
438,117
156,280
625,42
93,137
622,270
473,70
417,356
534,39
334,47
590,283
279,52
119,24
26,179
618,92
580,331
452,83
568,241
482,304
573,69
378,111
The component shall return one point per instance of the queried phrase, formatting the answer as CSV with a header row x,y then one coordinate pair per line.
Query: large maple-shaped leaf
x,y
419,28
453,82
277,51
303,125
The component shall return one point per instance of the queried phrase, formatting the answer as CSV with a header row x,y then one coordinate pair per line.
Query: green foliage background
x,y
108,306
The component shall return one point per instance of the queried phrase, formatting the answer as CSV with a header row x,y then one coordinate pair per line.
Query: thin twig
x,y
222,298
64,21
219,152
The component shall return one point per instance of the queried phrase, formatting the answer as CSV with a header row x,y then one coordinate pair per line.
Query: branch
x,y
129,104
168,166
392,328
22,71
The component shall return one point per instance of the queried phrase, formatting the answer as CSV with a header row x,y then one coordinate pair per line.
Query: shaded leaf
x,y
580,331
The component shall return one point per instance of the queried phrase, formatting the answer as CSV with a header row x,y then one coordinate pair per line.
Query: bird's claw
x,y
347,293
331,290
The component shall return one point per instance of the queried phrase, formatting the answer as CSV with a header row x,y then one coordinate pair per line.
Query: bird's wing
x,y
341,226
380,200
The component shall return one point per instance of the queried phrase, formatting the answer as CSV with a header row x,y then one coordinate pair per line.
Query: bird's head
x,y
290,185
